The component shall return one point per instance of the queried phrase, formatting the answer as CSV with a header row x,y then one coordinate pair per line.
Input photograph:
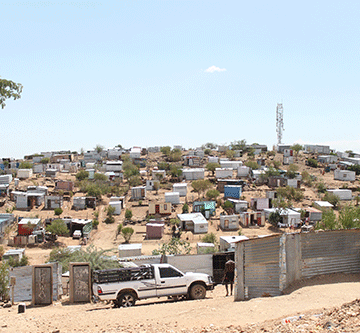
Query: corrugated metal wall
x,y
261,267
23,286
330,252
197,263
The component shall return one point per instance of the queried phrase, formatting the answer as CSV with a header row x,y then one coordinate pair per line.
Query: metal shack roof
x,y
324,204
135,246
197,218
233,239
30,220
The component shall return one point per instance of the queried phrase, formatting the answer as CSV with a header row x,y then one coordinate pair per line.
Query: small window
x,y
169,272
165,206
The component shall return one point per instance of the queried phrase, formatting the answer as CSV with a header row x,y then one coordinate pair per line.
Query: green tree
x,y
100,177
252,165
212,194
328,221
163,166
97,259
349,217
209,145
238,145
312,163
127,232
45,160
25,165
58,227
175,155
9,89
185,208
175,171
58,211
228,207
15,262
165,150
207,151
99,148
212,166
156,186
230,154
201,185
275,218
210,238
93,190
81,175
251,152
297,147
174,246
130,169
134,181
291,171
332,198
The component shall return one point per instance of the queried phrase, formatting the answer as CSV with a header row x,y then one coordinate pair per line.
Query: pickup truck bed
x,y
124,286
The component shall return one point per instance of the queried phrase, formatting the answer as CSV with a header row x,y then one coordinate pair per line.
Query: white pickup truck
x,y
124,286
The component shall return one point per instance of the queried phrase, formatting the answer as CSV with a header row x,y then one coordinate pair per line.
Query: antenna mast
x,y
279,122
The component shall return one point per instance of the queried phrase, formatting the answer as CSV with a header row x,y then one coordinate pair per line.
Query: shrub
x,y
328,221
210,238
58,227
332,198
95,223
127,232
212,194
58,211
212,166
185,208
312,163
100,177
275,218
118,229
81,175
321,187
110,210
174,246
4,280
128,214
15,262
252,165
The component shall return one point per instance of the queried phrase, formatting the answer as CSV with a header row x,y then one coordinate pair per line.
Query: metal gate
x,y
261,267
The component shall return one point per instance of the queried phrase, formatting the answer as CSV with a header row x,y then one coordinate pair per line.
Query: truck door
x,y
170,282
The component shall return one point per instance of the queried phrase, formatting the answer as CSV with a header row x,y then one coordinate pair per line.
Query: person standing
x,y
229,274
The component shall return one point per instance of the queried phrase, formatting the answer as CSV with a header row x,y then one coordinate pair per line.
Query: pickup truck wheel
x,y
197,291
126,300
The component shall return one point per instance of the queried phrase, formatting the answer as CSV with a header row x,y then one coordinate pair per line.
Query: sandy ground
x,y
216,313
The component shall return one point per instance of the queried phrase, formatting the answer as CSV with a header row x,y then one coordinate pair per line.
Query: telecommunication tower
x,y
279,122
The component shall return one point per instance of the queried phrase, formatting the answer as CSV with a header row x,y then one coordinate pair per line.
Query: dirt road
x,y
216,313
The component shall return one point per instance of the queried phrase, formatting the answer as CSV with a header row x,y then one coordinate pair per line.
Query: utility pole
x,y
279,122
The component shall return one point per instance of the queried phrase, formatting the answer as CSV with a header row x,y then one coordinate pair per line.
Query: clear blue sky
x,y
134,73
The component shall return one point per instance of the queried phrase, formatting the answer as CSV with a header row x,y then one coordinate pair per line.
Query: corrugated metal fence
x,y
261,267
266,266
330,252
